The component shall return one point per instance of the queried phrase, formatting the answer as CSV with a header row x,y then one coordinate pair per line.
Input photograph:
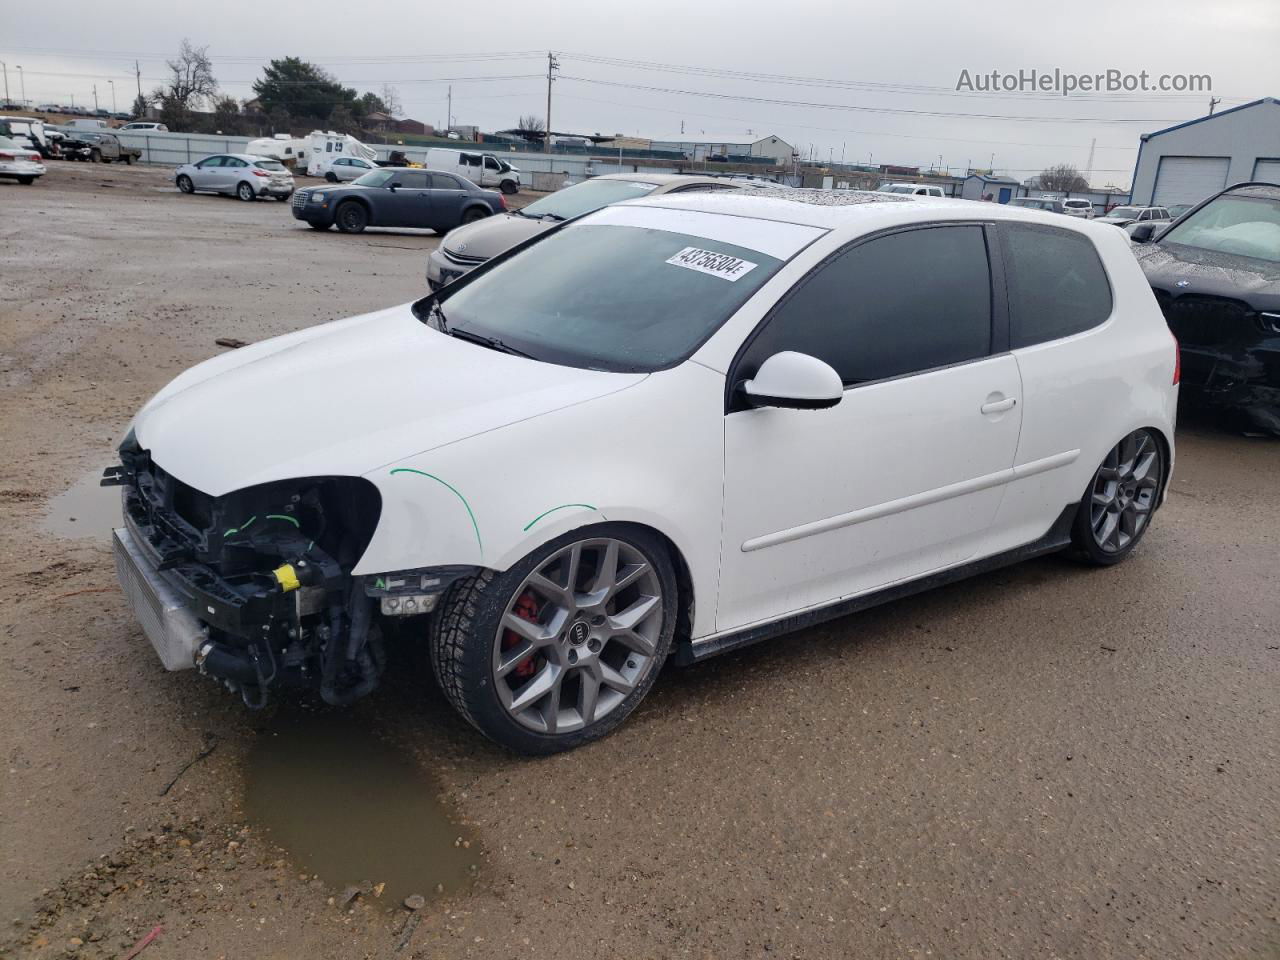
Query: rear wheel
x,y
26,181
245,191
185,184
557,650
352,217
474,214
1117,508
331,177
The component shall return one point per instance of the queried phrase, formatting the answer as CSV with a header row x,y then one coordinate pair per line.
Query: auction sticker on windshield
x,y
708,261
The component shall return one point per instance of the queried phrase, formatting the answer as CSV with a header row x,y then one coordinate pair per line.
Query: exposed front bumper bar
x,y
173,631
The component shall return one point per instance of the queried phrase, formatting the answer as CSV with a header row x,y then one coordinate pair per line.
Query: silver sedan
x,y
240,174
345,169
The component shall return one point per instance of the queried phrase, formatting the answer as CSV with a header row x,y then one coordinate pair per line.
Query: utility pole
x,y
95,98
1213,102
137,72
552,66
113,95
5,66
22,81
1088,169
448,117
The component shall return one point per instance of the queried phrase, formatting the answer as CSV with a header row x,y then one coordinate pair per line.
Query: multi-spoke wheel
x,y
1121,499
560,648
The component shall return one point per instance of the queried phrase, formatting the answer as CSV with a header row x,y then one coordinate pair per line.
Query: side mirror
x,y
395,185
1143,232
794,381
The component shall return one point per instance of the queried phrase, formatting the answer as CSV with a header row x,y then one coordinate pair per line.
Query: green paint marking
x,y
379,584
242,527
563,506
281,516
431,476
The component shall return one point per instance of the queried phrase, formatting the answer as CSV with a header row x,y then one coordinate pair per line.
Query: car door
x,y
206,174
447,198
905,474
233,171
409,204
491,173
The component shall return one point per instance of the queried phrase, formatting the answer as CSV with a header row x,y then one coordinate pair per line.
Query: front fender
x,y
650,454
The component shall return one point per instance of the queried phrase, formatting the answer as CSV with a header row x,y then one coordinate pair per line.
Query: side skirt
x,y
1058,538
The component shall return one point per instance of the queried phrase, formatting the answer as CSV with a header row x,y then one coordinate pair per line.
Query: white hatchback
x,y
1078,208
674,426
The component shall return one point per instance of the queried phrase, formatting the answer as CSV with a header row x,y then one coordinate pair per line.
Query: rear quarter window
x,y
1056,284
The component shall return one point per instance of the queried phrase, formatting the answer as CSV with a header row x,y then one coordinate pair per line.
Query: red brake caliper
x,y
526,608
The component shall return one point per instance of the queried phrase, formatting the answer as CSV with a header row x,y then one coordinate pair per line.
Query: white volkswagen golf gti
x,y
669,428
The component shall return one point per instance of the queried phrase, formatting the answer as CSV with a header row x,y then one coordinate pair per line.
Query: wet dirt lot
x,y
1046,761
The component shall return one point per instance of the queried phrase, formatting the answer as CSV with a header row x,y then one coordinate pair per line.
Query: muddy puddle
x,y
85,509
354,809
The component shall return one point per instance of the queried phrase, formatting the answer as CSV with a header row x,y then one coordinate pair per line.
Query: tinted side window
x,y
413,179
442,181
1057,286
897,304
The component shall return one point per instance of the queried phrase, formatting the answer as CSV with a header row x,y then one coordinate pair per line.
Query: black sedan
x,y
397,198
1216,275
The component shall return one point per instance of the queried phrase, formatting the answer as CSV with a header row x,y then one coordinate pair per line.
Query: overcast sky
x,y
888,58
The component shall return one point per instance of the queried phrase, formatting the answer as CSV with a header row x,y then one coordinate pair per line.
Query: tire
x,y
508,187
576,651
185,184
106,159
331,177
318,226
351,216
245,192
128,159
26,181
95,155
474,214
284,198
1116,510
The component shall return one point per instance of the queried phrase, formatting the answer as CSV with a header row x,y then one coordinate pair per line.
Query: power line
x,y
862,108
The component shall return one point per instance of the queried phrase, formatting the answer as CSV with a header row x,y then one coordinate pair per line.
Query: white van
x,y
87,123
482,169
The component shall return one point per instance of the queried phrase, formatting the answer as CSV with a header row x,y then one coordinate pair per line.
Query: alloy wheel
x,y
578,636
1124,492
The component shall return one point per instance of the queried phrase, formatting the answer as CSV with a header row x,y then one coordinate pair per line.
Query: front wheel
x,y
508,187
318,226
128,159
557,650
246,192
95,155
331,177
185,184
1122,496
352,217
26,181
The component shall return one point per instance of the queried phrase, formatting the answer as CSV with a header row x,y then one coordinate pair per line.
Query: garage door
x,y
1268,170
1189,179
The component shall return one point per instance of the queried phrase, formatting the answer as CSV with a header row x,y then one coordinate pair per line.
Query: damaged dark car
x,y
1216,275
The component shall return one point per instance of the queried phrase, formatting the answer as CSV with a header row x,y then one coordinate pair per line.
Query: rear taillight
x,y
7,158
502,201
261,173
1177,362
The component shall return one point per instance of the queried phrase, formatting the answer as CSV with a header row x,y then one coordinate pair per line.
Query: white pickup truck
x,y
482,169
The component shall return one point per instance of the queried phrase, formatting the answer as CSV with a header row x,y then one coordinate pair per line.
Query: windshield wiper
x,y
439,315
493,343
553,216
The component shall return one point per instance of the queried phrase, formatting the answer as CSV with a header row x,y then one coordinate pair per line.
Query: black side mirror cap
x,y
1143,233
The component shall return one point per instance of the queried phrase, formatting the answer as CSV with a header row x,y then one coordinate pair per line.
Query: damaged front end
x,y
1230,355
255,587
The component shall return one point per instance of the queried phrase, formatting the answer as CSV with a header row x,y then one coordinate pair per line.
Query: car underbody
x,y
255,588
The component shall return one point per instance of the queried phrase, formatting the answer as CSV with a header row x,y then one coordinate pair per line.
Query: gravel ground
x,y
1047,761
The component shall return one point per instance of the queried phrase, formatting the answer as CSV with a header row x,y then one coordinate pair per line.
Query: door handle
x,y
999,406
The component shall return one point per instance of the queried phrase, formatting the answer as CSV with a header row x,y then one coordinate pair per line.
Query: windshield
x,y
1124,213
585,197
269,164
374,178
1246,226
609,297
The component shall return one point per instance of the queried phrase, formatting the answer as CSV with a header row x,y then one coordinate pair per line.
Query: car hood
x,y
345,398
1188,270
491,236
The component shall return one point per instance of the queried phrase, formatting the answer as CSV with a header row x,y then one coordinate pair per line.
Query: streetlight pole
x,y
113,95
95,98
22,80
5,66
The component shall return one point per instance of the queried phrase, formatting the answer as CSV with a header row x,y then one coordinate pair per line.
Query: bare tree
x,y
391,101
530,123
1064,177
